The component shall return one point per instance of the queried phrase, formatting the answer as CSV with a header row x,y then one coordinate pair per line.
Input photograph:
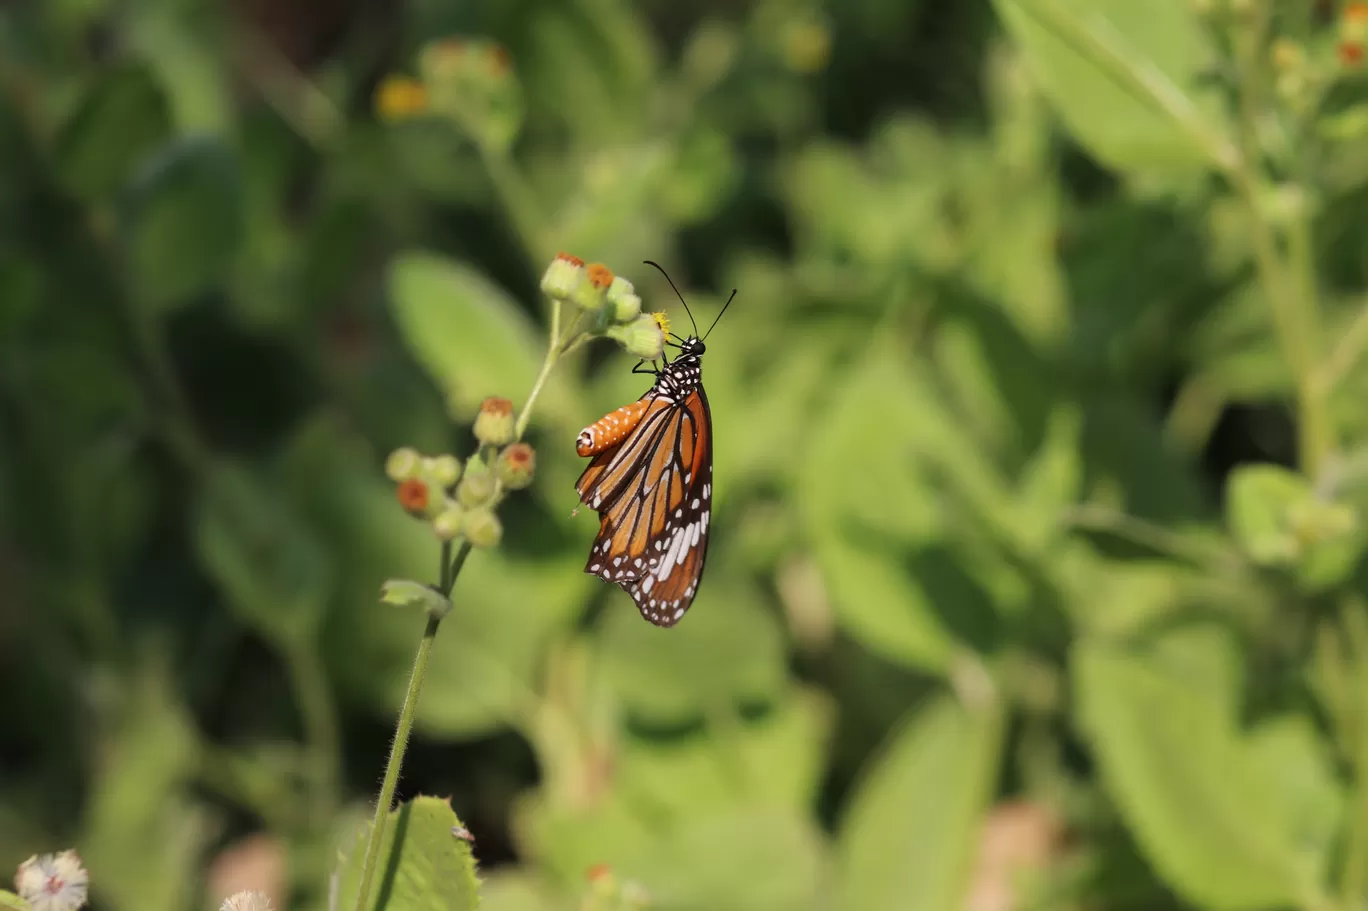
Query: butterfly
x,y
650,482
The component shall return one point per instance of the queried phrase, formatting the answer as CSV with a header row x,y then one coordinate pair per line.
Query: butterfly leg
x,y
651,370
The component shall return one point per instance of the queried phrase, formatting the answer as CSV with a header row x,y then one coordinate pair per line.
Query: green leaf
x,y
1290,755
408,594
1124,76
713,660
11,902
1258,499
863,524
1193,791
909,837
122,118
776,760
470,336
517,889
184,222
143,836
742,856
422,864
274,572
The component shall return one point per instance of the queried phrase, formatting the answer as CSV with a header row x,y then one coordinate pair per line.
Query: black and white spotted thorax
x,y
684,374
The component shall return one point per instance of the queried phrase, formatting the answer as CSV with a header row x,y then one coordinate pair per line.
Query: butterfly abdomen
x,y
610,429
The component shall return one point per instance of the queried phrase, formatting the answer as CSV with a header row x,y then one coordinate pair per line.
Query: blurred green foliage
x,y
1037,574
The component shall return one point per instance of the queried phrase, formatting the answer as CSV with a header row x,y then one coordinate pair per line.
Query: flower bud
x,y
449,522
416,497
624,301
592,292
494,423
563,276
403,464
476,487
482,528
444,470
398,97
642,337
516,466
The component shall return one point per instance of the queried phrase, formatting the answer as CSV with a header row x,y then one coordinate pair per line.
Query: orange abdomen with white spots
x,y
610,429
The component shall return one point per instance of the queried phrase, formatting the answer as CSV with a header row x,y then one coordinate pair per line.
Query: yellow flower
x,y
399,97
663,321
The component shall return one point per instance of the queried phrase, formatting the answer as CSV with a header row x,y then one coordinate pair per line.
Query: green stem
x,y
310,683
396,760
553,353
520,202
451,568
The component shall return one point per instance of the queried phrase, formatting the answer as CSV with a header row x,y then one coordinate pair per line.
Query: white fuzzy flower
x,y
246,900
53,882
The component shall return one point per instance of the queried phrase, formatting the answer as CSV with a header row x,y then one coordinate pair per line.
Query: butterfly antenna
x,y
677,294
719,315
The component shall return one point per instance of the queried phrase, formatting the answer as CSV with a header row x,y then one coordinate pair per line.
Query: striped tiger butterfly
x,y
650,482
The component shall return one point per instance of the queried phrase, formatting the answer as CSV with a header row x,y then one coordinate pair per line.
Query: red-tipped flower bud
x,y
516,466
416,497
563,276
592,292
494,423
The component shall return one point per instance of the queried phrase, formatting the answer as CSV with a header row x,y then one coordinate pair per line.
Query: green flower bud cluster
x,y
609,301
459,499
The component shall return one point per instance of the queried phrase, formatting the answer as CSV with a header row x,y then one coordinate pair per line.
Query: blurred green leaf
x,y
184,221
143,836
776,760
703,174
121,118
422,865
1289,753
517,890
742,856
713,660
469,335
867,527
407,594
1260,501
1166,50
1191,787
12,902
909,835
274,571
739,858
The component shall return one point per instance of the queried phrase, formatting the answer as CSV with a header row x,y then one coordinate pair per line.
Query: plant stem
x,y
319,715
520,203
396,760
553,353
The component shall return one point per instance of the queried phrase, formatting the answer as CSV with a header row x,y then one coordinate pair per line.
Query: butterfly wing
x,y
676,549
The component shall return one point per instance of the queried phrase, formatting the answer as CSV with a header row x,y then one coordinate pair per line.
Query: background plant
x,y
1038,534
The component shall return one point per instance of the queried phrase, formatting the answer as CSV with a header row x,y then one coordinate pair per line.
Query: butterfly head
x,y
692,347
